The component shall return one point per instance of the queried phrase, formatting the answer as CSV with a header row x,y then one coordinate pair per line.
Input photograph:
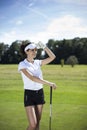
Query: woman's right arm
x,y
38,80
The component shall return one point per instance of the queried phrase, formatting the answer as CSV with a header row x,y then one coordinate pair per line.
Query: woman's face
x,y
32,52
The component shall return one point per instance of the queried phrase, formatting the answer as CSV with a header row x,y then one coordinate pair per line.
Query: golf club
x,y
50,108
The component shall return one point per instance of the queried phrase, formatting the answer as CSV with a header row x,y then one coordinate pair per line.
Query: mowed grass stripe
x,y
69,108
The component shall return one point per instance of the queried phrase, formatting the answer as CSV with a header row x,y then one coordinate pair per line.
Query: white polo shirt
x,y
35,70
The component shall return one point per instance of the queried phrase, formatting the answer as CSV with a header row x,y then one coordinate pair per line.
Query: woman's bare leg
x,y
38,111
34,115
30,110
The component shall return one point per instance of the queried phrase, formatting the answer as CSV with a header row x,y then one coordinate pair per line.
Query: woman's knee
x,y
33,125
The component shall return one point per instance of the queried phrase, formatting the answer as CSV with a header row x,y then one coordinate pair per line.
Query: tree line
x,y
63,49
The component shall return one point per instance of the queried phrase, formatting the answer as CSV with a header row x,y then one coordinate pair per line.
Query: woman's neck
x,y
30,59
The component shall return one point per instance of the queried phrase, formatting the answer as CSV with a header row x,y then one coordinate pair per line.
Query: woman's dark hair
x,y
23,45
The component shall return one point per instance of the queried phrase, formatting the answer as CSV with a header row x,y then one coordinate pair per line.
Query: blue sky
x,y
41,20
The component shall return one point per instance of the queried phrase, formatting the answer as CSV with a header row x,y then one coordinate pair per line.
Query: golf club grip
x,y
50,95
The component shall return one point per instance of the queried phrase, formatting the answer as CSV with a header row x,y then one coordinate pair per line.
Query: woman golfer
x,y
33,82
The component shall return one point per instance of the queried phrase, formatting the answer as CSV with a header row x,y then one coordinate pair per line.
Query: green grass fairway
x,y
69,109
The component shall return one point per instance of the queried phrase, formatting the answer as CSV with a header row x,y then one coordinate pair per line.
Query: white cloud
x,y
7,37
64,27
19,22
59,28
63,23
67,25
11,36
79,2
31,4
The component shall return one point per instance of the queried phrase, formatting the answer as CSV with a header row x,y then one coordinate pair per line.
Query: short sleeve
x,y
38,62
21,66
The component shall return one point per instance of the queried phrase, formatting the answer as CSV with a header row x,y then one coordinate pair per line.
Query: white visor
x,y
30,46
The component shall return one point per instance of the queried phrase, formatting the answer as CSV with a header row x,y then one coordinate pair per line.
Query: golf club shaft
x,y
50,108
